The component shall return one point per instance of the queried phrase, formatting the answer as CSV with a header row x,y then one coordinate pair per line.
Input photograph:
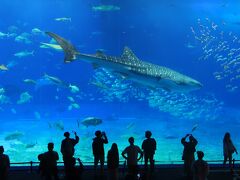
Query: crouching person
x,y
200,167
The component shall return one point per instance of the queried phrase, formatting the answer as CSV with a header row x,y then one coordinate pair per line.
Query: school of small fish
x,y
222,48
180,105
186,106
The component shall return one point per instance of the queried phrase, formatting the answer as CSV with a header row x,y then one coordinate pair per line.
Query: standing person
x,y
228,149
48,163
67,150
4,164
149,148
98,149
113,162
131,153
188,154
200,167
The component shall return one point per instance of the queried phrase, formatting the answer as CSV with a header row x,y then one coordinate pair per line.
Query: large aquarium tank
x,y
123,67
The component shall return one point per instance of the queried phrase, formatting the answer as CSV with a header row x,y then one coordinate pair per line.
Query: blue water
x,y
197,39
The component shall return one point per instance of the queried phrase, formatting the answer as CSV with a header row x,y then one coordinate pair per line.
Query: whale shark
x,y
129,66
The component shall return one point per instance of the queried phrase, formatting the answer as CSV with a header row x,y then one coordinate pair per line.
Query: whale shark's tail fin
x,y
69,50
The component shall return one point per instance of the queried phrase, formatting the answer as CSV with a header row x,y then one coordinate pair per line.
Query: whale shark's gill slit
x,y
69,50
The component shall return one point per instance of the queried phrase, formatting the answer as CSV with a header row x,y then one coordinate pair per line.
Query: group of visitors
x,y
48,160
197,170
193,169
131,153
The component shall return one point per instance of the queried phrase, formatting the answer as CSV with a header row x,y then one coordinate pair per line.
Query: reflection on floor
x,y
166,172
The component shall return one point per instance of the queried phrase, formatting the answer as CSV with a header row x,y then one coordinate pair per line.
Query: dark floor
x,y
161,173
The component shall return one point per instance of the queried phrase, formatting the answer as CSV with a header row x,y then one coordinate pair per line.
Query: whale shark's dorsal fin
x,y
129,55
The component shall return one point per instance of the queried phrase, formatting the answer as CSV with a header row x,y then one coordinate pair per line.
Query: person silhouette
x,y
98,149
131,153
4,164
188,154
149,148
228,149
67,150
200,167
48,163
113,162
75,173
